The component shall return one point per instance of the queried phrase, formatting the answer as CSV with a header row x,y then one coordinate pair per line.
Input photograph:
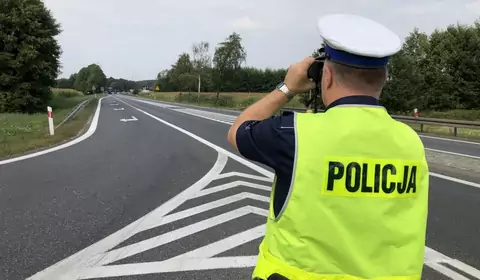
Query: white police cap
x,y
357,41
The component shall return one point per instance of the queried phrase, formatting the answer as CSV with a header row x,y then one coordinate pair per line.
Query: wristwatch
x,y
283,88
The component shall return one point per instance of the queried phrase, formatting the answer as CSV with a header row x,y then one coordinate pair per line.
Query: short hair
x,y
362,79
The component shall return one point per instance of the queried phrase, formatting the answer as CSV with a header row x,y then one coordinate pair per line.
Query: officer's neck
x,y
336,95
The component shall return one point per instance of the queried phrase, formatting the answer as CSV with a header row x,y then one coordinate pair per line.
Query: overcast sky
x,y
135,39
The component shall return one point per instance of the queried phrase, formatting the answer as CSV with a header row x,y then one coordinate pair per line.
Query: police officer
x,y
350,195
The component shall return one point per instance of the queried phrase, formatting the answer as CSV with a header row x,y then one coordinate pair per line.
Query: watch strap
x,y
284,89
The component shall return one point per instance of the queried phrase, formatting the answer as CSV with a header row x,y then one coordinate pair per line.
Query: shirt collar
x,y
356,100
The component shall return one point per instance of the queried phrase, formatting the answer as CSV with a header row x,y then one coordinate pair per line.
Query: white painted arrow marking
x,y
231,185
142,246
129,120
218,247
202,209
240,174
118,109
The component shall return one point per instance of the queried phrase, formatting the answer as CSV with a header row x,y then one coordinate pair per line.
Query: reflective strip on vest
x,y
357,207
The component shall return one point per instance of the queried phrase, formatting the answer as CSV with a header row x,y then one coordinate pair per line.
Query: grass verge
x,y
23,133
237,100
466,133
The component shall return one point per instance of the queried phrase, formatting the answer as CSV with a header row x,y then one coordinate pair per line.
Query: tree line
x,y
437,71
93,75
222,73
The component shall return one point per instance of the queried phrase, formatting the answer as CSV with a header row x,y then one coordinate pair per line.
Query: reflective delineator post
x,y
50,120
415,112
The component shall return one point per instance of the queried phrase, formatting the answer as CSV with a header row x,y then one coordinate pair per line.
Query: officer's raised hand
x,y
296,79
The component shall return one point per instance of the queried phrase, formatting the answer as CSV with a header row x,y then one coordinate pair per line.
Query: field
x,y
22,132
239,100
65,90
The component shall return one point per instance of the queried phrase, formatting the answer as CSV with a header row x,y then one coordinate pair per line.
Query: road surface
x,y
156,192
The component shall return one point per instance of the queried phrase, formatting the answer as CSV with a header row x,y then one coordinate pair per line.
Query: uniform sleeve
x,y
270,142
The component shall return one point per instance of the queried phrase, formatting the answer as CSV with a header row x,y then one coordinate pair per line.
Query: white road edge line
x,y
456,180
448,139
452,153
445,177
90,131
201,116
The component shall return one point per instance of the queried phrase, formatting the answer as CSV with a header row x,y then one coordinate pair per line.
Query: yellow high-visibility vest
x,y
357,207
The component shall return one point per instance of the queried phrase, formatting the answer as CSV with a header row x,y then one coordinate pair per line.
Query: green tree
x,y
316,52
228,58
201,61
120,84
90,76
181,76
29,55
66,83
163,82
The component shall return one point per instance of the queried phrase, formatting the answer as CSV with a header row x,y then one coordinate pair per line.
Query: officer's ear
x,y
327,76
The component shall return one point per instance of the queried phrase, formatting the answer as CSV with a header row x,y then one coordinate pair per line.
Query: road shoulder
x,y
454,166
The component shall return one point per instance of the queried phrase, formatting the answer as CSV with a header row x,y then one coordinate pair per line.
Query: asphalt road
x,y
161,195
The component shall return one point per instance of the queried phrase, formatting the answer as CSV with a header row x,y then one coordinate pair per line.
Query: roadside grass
x,y
22,132
238,100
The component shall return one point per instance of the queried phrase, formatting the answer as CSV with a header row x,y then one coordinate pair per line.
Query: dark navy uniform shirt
x,y
272,142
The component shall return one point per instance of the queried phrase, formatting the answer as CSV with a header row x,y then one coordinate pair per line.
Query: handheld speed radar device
x,y
315,74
